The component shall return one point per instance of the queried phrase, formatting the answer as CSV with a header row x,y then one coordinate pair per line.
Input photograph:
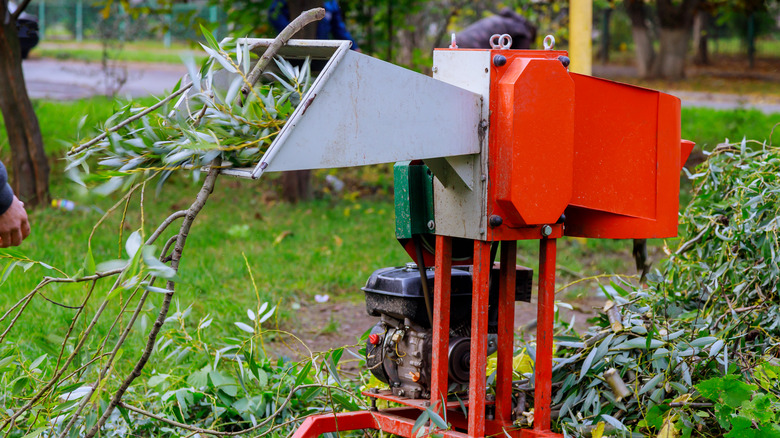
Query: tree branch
x,y
299,23
129,120
20,9
269,419
192,213
164,225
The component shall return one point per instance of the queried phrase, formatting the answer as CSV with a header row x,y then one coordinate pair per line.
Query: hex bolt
x,y
431,225
435,69
484,124
564,60
546,230
495,221
499,60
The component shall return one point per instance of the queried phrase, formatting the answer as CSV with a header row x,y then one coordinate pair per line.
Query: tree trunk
x,y
644,51
672,53
676,22
643,44
700,29
296,184
30,168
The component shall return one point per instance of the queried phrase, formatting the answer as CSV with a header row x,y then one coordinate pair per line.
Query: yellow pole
x,y
580,30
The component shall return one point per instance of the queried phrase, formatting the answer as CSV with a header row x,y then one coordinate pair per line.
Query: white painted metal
x,y
460,209
366,111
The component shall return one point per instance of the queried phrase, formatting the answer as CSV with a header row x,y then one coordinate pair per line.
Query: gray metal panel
x,y
367,111
460,211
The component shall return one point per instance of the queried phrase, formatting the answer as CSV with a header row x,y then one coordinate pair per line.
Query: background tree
x,y
30,167
675,21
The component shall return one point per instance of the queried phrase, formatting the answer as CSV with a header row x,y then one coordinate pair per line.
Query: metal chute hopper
x,y
361,110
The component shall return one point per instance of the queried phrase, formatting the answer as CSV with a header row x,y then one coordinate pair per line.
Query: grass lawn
x,y
327,246
135,51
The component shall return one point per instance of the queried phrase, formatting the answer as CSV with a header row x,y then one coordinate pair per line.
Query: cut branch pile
x,y
697,350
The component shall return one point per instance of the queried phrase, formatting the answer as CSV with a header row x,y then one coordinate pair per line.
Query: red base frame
x,y
400,421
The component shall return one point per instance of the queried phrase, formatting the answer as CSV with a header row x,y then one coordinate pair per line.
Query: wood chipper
x,y
499,145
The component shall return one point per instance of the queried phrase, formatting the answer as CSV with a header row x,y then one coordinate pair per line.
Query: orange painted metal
x,y
480,291
506,330
606,154
441,318
544,335
533,142
627,161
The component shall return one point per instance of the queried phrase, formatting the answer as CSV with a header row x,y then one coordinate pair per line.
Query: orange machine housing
x,y
606,155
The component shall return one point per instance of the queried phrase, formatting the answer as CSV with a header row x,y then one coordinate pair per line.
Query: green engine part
x,y
413,199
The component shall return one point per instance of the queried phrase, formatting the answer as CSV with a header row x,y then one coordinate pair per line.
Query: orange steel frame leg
x,y
441,320
400,421
479,322
544,342
506,331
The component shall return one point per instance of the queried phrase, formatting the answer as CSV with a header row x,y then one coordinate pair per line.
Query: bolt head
x,y
546,230
431,225
564,60
495,221
499,60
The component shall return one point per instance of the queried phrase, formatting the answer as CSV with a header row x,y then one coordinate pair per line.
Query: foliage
x,y
210,128
705,329
202,127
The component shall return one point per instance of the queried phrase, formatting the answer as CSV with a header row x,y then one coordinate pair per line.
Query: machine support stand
x,y
400,421
479,322
441,321
506,330
544,341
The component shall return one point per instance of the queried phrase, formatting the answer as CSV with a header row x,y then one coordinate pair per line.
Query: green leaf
x,y
703,341
436,419
36,433
651,384
8,269
639,343
302,374
209,37
418,430
728,390
89,262
157,379
244,327
333,369
345,401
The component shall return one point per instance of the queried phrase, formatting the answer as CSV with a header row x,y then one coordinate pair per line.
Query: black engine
x,y
398,351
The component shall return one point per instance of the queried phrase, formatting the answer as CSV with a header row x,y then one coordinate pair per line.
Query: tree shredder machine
x,y
499,145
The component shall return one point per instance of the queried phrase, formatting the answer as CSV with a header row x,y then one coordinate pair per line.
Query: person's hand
x,y
14,226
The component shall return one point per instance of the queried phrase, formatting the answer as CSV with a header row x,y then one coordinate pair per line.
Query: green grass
x,y
142,51
295,251
709,127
